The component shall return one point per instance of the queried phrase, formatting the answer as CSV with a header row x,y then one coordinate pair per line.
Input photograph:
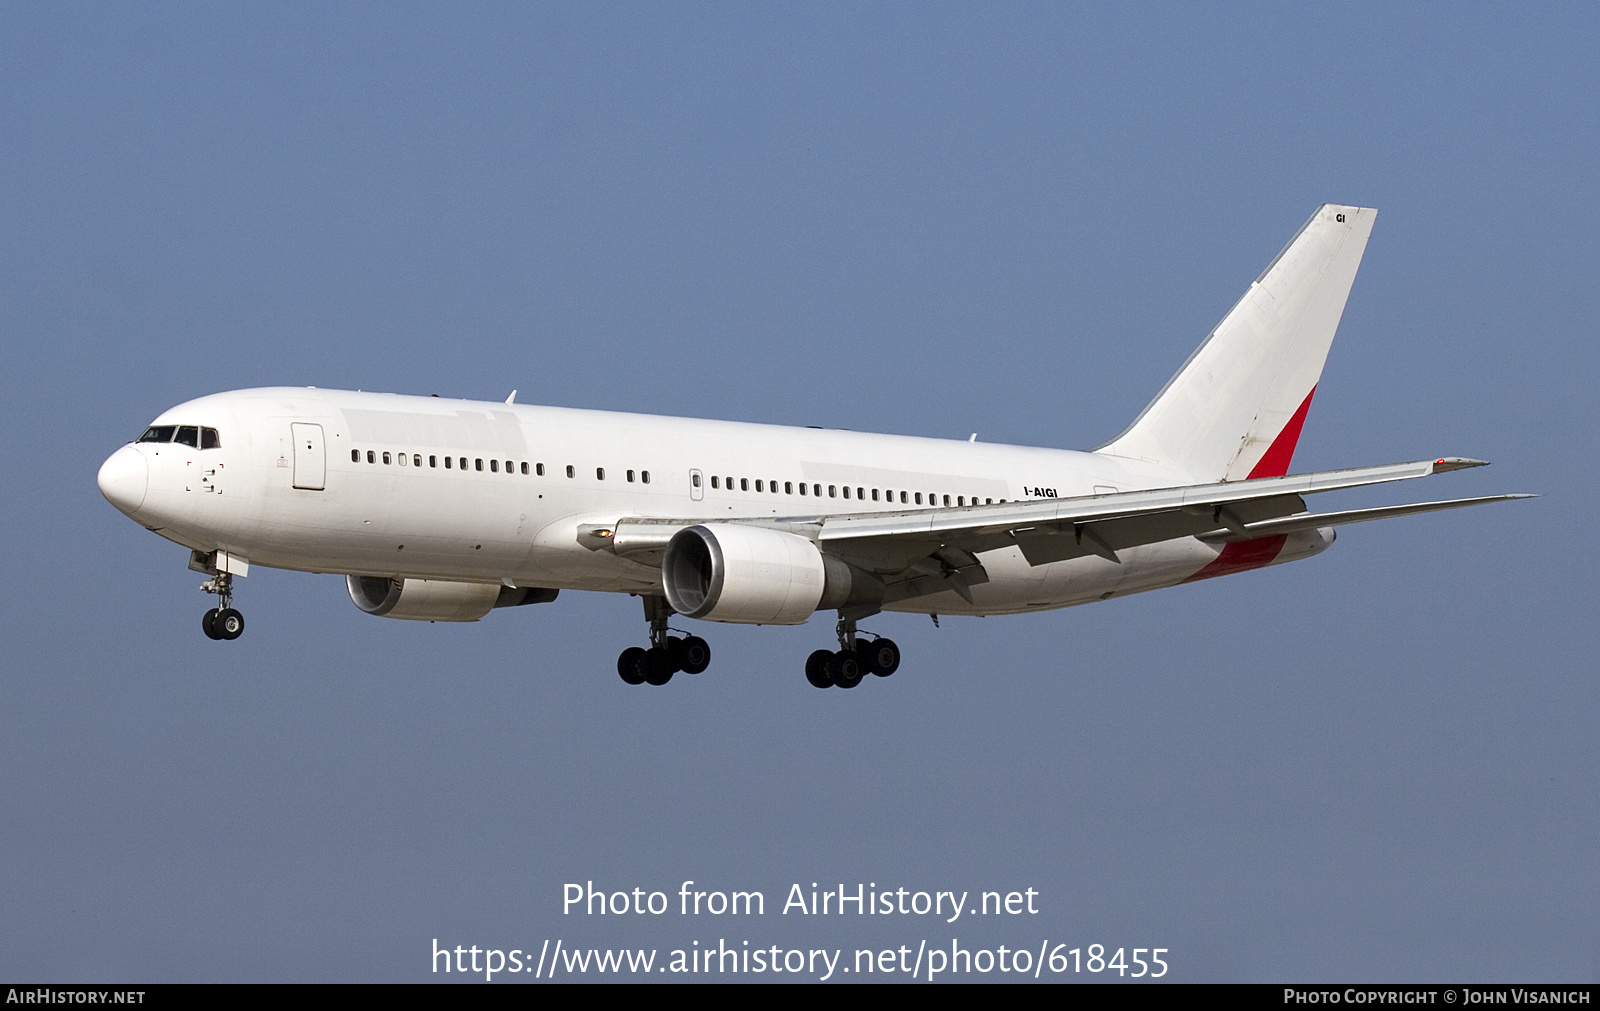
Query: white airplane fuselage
x,y
444,510
358,484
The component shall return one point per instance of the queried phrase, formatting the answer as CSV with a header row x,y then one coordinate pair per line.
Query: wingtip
x,y
1448,463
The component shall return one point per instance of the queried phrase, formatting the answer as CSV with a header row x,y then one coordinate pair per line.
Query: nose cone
x,y
123,479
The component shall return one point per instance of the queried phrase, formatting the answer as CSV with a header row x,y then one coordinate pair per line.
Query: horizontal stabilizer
x,y
1313,521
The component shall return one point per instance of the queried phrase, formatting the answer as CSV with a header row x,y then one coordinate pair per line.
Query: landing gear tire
x,y
205,624
630,665
817,669
880,656
844,668
694,655
228,624
658,666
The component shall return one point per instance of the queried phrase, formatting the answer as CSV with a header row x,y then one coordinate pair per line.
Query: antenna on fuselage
x,y
513,398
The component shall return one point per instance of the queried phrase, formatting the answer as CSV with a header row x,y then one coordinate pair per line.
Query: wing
x,y
923,551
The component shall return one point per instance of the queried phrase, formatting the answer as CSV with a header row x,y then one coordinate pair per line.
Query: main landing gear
x,y
855,659
667,654
221,622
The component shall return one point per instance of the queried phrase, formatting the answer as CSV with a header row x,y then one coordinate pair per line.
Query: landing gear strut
x,y
221,622
667,654
855,659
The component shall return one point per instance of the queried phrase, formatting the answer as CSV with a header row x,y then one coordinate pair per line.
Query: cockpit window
x,y
186,435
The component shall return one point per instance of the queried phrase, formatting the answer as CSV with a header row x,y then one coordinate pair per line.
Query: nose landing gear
x,y
221,622
667,654
855,659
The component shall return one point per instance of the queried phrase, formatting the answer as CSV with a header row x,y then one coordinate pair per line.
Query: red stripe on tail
x,y
1275,462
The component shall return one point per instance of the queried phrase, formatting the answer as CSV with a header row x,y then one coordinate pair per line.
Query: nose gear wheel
x,y
223,622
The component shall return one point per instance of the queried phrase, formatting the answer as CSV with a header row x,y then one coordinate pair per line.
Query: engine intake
x,y
758,576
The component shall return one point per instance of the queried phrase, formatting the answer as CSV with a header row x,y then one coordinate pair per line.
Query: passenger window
x,y
510,467
874,494
599,473
861,493
538,469
960,501
645,476
433,461
744,484
947,500
831,491
571,472
494,466
402,459
372,457
788,487
630,477
386,459
694,479
846,491
209,439
758,484
919,498
355,456
477,463
159,433
713,480
188,435
463,463
802,487
447,462
524,466
902,498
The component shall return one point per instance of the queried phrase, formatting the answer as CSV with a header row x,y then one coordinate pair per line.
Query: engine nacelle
x,y
438,600
757,576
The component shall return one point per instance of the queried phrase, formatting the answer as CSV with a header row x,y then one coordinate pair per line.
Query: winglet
x,y
1449,463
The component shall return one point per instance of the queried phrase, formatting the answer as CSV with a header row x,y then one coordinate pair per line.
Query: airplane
x,y
442,510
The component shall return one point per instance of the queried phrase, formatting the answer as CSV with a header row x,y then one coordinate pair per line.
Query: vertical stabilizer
x,y
1236,407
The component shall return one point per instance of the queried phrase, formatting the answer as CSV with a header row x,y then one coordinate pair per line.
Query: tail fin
x,y
1236,407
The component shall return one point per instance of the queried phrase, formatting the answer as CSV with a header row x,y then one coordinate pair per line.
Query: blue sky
x,y
1010,219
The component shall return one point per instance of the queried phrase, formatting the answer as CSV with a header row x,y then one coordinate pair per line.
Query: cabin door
x,y
310,460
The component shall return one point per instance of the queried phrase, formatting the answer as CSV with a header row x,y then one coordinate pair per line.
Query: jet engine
x,y
438,600
758,576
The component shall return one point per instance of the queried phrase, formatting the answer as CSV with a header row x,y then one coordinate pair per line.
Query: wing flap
x,y
1059,542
